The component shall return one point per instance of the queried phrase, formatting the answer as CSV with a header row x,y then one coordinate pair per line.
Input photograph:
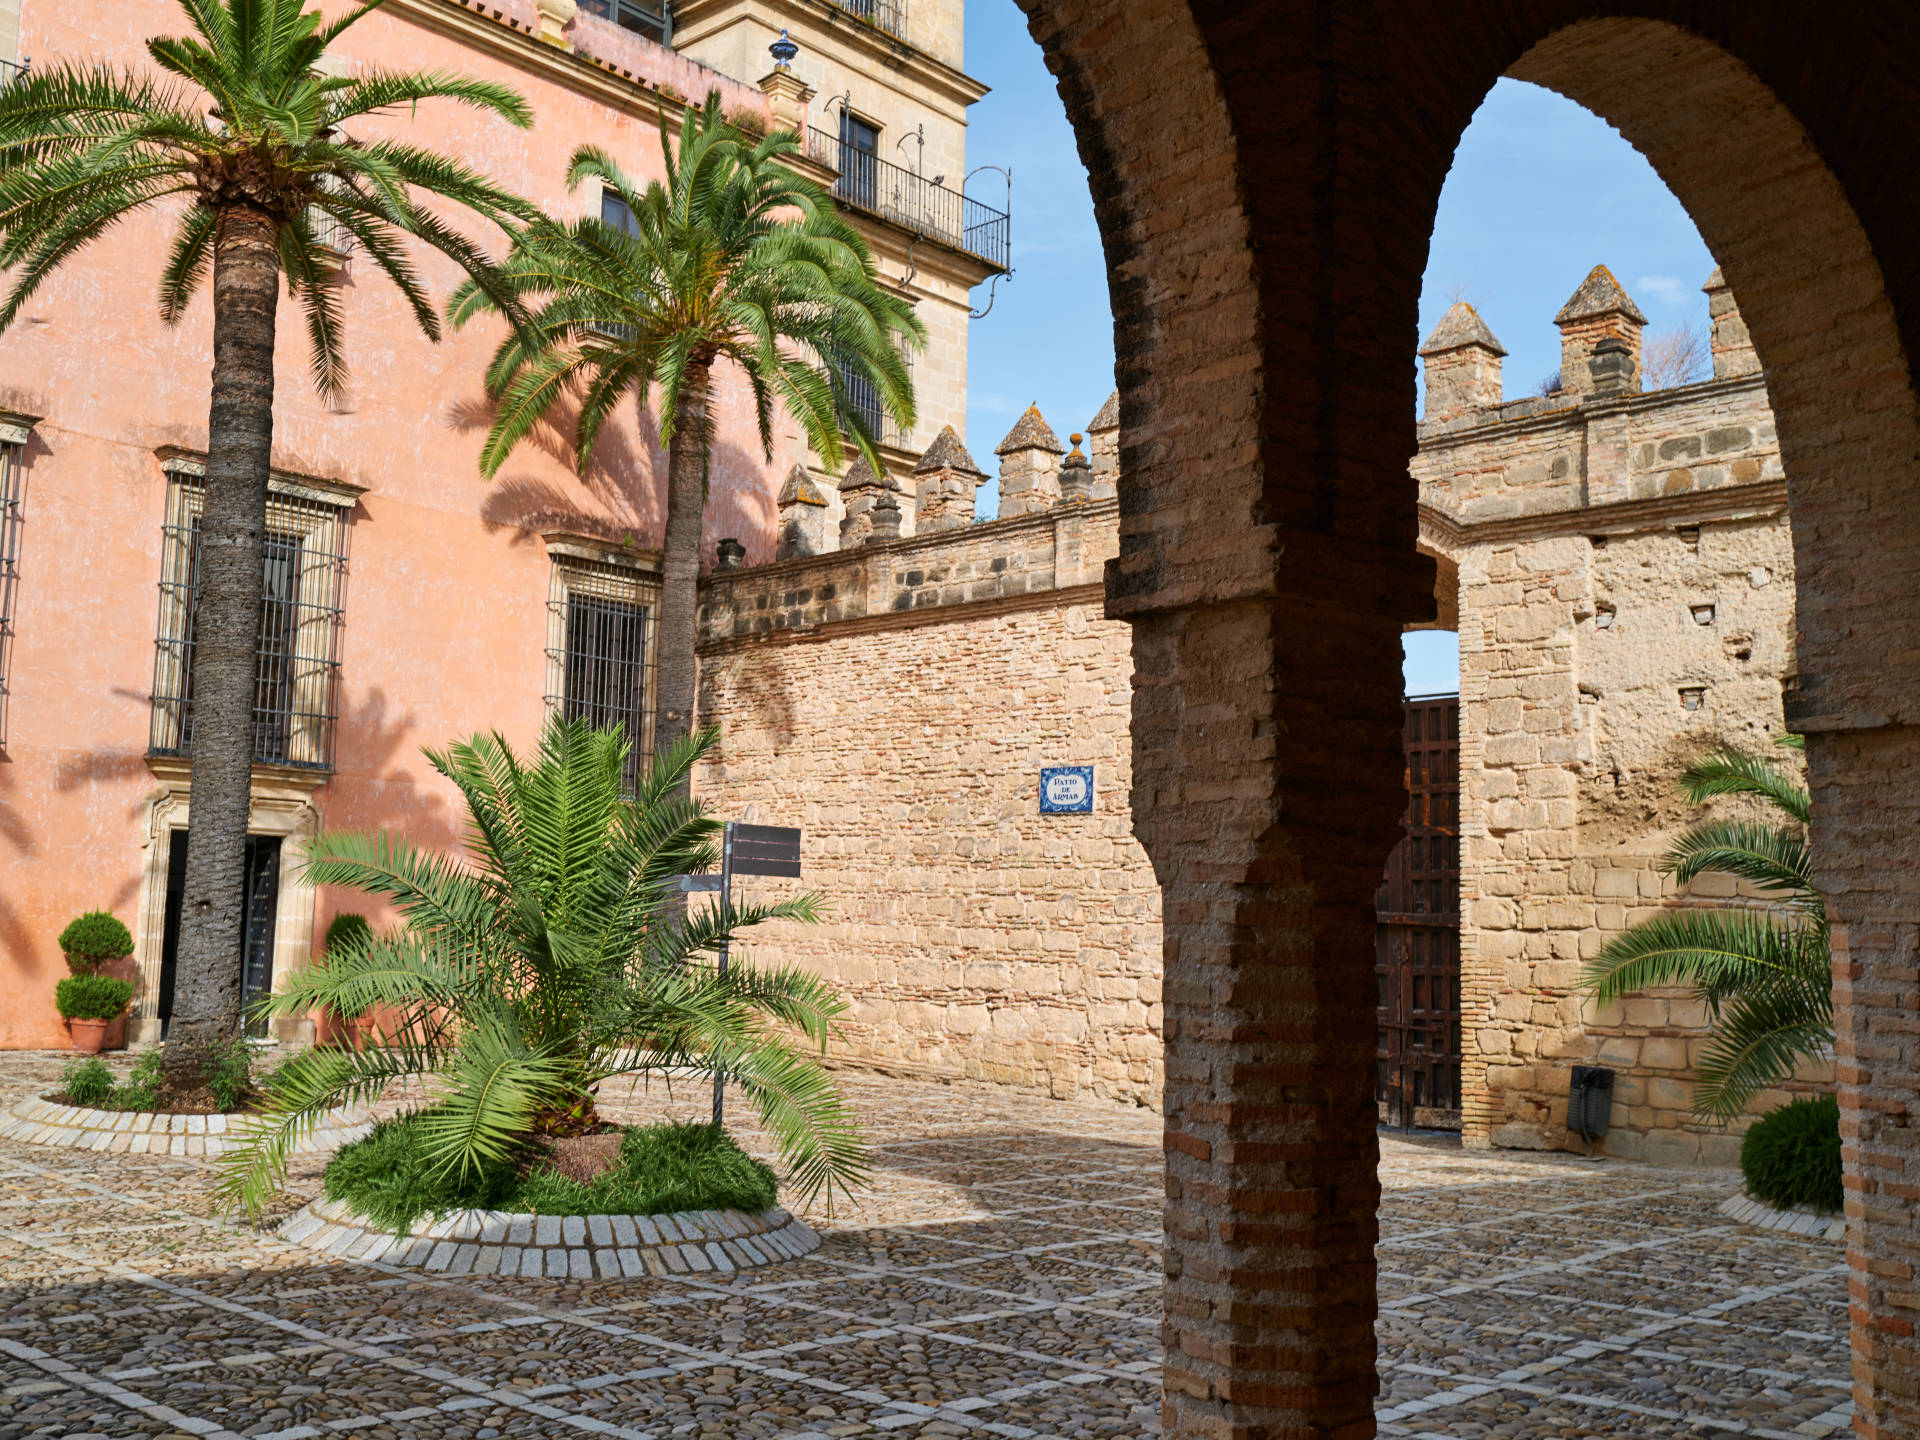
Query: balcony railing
x,y
887,15
895,193
11,71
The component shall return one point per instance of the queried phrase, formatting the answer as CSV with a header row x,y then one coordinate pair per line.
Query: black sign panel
x,y
766,850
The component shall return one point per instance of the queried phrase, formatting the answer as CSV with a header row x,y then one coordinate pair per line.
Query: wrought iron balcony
x,y
895,193
11,71
887,15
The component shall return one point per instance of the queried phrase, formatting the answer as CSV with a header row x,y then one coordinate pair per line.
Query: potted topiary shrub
x,y
98,944
88,1003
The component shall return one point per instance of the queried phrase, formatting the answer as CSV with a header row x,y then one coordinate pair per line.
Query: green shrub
x,y
93,937
229,1072
91,997
389,1178
142,1090
1792,1156
347,930
87,1082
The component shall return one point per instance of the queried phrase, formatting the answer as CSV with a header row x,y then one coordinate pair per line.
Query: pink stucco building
x,y
409,601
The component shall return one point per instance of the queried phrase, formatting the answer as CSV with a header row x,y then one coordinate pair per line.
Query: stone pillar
x,y
555,16
1076,476
803,517
1599,310
1733,352
883,519
1613,368
1029,466
1463,364
862,490
945,484
790,95
1104,442
729,555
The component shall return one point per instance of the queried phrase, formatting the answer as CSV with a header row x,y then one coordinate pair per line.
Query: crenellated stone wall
x,y
897,700
1618,565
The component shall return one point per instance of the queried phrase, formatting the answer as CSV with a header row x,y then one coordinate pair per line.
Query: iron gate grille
x,y
600,649
1417,944
298,651
12,477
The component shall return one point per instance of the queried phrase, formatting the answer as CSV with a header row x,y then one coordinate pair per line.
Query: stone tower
x,y
1598,312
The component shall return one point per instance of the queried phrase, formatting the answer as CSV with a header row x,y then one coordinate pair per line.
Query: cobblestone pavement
x,y
999,1280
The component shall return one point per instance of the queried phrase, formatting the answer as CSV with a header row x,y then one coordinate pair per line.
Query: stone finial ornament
x,y
1733,352
555,16
864,490
1076,475
783,50
1600,309
1029,466
803,517
1463,361
1103,447
729,555
946,482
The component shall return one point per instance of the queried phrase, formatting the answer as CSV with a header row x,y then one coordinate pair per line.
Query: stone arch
x,y
1265,179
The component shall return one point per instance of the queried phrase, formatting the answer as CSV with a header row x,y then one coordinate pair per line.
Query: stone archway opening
x,y
1265,276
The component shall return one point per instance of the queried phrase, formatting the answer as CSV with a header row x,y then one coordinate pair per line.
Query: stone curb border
x,y
1811,1223
134,1132
556,1247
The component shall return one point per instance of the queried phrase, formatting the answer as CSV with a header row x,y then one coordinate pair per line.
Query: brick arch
x,y
1266,178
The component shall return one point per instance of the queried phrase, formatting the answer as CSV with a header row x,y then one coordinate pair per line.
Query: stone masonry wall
x,y
1625,594
897,701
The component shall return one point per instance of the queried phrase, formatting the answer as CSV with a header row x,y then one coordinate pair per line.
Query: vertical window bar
x,y
303,591
12,478
600,650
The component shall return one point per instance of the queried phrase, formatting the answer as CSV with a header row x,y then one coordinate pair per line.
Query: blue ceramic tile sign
x,y
1066,790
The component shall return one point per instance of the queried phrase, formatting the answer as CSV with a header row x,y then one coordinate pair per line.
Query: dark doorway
x,y
1417,939
262,891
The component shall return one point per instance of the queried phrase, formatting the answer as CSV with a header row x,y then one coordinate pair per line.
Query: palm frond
x,y
1731,771
1772,856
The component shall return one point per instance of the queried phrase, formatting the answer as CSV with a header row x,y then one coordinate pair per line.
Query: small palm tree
x,y
736,257
247,148
1765,974
519,981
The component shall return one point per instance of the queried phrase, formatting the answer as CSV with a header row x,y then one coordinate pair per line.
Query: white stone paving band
x,y
560,1247
139,1132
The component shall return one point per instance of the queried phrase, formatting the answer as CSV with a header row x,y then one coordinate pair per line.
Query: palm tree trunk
x,y
675,673
226,627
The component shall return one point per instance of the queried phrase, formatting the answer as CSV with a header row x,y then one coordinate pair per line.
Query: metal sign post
x,y
745,850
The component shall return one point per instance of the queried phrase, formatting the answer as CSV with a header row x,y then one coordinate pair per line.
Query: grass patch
x,y
663,1168
1791,1156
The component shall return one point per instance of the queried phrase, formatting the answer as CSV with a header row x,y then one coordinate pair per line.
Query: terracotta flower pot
x,y
88,1035
362,1028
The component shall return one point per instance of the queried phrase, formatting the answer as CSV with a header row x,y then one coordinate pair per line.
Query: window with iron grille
x,y
863,398
298,651
651,18
600,649
12,478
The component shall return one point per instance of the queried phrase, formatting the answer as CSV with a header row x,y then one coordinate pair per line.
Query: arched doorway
x,y
1266,178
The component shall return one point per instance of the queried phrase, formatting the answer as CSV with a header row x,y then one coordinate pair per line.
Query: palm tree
x,y
1766,974
550,960
735,257
247,131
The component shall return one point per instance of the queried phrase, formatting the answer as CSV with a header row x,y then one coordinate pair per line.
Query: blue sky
x,y
1540,192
